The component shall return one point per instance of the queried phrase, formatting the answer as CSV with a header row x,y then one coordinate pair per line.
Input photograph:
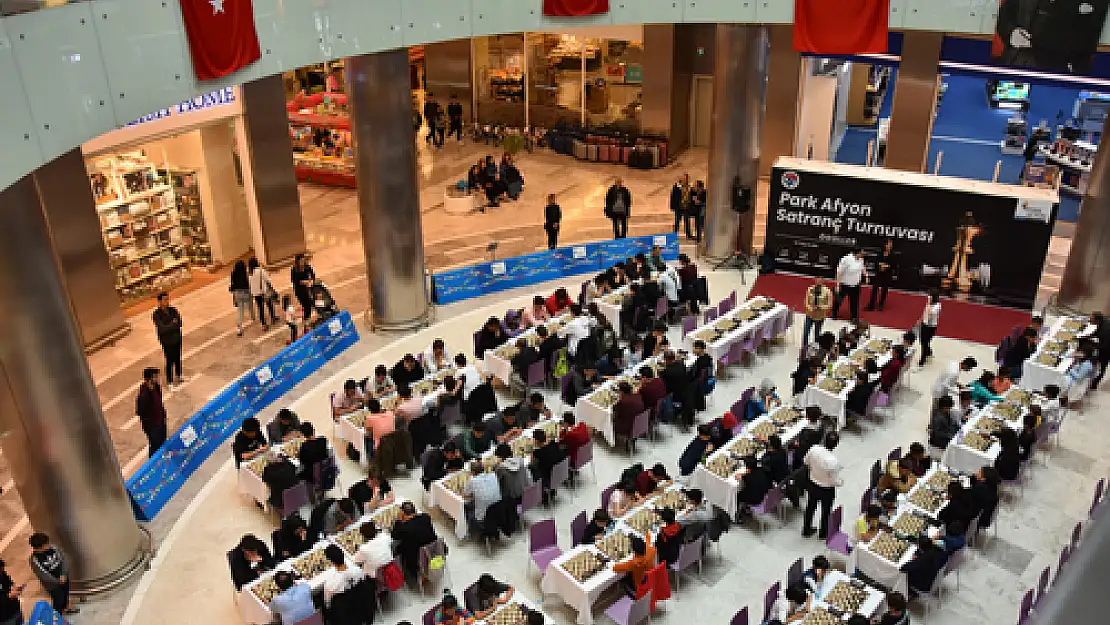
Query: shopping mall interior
x,y
361,158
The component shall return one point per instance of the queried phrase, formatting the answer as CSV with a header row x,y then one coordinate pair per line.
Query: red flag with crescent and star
x,y
574,8
222,37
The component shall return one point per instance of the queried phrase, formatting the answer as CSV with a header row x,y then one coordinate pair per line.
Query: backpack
x,y
562,367
392,577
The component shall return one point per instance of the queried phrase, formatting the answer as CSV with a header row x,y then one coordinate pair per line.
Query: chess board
x,y
615,299
550,428
909,524
990,425
425,386
845,370
507,351
350,540
831,385
583,566
745,314
673,499
745,446
764,429
1009,412
889,546
1074,325
878,346
258,464
1019,396
1048,359
606,397
760,304
390,403
820,616
509,614
709,335
722,466
266,589
457,482
356,419
293,447
386,517
1065,335
311,564
977,441
786,417
616,546
642,521
726,324
522,446
926,499
847,597
939,480
1055,347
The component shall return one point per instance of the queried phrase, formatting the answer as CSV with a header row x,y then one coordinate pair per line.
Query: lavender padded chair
x,y
543,544
627,611
1026,606
583,456
641,426
689,323
536,376
689,554
769,505
292,499
1042,586
710,315
895,454
769,599
606,495
740,618
530,497
795,573
838,541
1065,554
1075,535
1099,486
578,528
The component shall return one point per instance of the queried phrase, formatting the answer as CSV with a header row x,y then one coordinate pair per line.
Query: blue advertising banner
x,y
161,477
510,273
43,614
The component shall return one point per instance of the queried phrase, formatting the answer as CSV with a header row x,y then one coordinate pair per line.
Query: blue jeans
x,y
815,325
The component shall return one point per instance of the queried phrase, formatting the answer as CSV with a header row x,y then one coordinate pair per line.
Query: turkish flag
x,y
841,26
222,37
574,8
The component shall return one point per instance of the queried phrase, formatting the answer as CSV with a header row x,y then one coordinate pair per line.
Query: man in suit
x,y
618,208
677,380
412,531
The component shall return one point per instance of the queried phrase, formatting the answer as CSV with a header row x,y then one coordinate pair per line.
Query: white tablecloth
x,y
964,459
835,405
501,368
881,570
1036,376
253,610
612,312
251,484
773,318
722,491
870,607
600,418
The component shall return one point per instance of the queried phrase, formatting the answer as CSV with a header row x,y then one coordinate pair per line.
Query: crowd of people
x,y
498,181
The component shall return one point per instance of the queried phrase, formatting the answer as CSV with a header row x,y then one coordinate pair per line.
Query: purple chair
x,y
734,356
689,323
740,618
662,308
955,561
895,454
582,456
1042,586
795,573
865,500
769,505
1065,555
740,408
710,315
876,473
640,427
1099,486
1075,534
578,528
316,618
536,375
560,473
722,308
430,615
293,498
530,497
770,598
1026,606
838,541
627,611
607,494
564,388
689,554
543,544
751,344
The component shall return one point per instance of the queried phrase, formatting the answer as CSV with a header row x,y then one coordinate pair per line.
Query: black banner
x,y
984,248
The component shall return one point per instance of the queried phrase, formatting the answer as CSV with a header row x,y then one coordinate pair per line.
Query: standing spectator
x,y
819,300
618,208
455,117
880,286
552,216
851,272
1021,350
302,276
824,477
697,208
431,116
151,411
241,294
680,202
930,317
10,611
167,321
1101,337
51,568
262,291
948,382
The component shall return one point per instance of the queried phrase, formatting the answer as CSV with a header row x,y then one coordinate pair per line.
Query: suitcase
x,y
626,154
603,153
614,154
663,153
579,150
591,151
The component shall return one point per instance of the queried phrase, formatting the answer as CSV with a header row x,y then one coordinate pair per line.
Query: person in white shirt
x,y
824,477
930,317
669,283
260,287
576,329
436,357
471,376
948,382
792,605
851,273
339,578
376,552
1051,407
535,314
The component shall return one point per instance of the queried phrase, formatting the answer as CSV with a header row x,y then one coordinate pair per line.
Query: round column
x,y
1086,283
739,84
61,454
380,102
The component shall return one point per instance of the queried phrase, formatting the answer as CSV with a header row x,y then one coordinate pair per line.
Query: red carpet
x,y
966,321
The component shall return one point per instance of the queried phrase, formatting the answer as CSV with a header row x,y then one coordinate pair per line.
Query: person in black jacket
x,y
700,372
407,371
597,526
167,322
1019,352
545,456
249,443
756,482
775,460
680,203
552,216
151,411
411,532
943,425
314,450
302,276
669,540
696,451
249,560
1008,462
491,336
961,505
280,476
677,380
858,397
618,208
525,356
455,118
810,435
1101,337
984,492
291,539
922,570
440,462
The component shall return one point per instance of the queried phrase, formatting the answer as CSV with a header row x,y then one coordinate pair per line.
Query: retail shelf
x,y
154,252
162,188
1067,188
150,274
139,216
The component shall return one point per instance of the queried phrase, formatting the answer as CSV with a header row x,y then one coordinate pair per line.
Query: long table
x,y
255,609
1058,345
870,607
521,600
497,362
963,457
835,403
581,596
720,336
721,490
250,472
441,494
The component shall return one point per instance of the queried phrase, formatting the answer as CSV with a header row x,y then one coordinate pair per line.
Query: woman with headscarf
x,y
764,400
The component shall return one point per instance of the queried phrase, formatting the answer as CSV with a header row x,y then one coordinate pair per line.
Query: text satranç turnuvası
x,y
853,225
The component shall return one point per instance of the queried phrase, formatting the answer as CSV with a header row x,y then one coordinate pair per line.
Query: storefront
x,y
169,195
319,126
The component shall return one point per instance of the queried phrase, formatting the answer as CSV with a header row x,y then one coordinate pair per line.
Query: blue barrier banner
x,y
44,614
160,477
510,273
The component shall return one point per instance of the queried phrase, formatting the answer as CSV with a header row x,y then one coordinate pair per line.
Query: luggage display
x,y
614,154
626,154
654,151
603,153
591,152
579,150
662,152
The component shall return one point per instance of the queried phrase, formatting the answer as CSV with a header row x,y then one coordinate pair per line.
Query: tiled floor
x,y
214,355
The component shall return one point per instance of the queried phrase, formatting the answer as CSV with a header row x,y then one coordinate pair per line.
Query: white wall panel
x,y
645,11
292,35
719,10
428,21
63,75
897,13
774,11
352,28
20,153
497,17
943,15
145,54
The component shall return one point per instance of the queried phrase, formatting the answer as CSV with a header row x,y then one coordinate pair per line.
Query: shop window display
x,y
194,234
319,126
499,79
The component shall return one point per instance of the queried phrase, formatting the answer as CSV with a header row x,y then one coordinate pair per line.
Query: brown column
x,y
784,79
915,101
70,210
447,71
267,155
1086,283
658,87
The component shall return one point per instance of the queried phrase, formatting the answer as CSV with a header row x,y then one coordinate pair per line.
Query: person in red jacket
x,y
559,302
626,409
652,389
893,369
573,436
